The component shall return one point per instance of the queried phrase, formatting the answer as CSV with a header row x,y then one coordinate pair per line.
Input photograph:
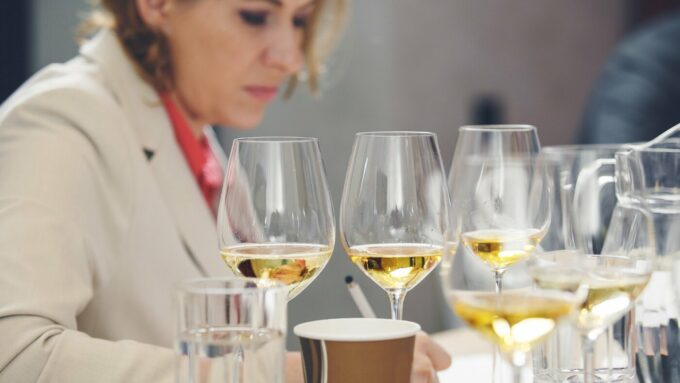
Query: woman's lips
x,y
263,93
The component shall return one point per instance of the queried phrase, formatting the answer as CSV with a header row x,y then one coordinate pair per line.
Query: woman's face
x,y
230,57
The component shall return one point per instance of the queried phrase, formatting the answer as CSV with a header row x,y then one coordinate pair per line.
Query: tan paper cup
x,y
357,350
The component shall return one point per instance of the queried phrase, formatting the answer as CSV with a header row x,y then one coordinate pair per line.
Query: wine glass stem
x,y
516,374
397,302
497,368
610,352
238,375
519,360
588,359
498,275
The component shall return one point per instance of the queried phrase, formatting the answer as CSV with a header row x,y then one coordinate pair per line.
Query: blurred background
x,y
429,65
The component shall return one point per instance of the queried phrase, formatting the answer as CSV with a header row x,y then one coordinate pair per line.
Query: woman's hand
x,y
294,368
428,358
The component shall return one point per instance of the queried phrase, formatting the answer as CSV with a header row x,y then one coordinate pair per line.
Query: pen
x,y
359,298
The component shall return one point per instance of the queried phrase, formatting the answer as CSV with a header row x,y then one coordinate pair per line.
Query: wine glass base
x,y
616,375
581,379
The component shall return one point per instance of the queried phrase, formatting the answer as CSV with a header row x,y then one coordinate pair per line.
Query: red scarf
x,y
199,155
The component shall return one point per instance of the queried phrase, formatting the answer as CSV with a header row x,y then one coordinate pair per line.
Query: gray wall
x,y
54,26
417,65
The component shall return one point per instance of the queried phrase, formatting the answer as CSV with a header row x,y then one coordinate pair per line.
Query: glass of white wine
x,y
275,218
610,282
394,214
515,319
501,194
616,277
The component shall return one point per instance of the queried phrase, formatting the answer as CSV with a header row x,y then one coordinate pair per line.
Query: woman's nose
x,y
285,50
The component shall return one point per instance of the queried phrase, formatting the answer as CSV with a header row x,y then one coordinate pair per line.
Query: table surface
x,y
462,342
472,359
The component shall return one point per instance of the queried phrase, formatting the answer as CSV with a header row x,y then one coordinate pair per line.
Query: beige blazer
x,y
100,217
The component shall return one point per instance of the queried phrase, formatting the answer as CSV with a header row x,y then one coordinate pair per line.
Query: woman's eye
x,y
300,21
254,18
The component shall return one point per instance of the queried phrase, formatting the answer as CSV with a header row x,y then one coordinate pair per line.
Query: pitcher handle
x,y
591,179
675,130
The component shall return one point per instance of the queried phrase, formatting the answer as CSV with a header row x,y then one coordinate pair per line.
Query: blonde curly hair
x,y
149,49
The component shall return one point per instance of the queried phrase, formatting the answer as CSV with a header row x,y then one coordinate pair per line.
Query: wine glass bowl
x,y
395,210
501,193
275,218
514,320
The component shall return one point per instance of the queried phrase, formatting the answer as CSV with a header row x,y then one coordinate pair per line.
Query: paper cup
x,y
357,350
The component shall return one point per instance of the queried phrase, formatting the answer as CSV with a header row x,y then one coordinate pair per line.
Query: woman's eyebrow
x,y
279,3
311,4
275,2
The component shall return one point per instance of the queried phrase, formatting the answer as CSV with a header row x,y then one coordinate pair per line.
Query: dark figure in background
x,y
487,109
637,96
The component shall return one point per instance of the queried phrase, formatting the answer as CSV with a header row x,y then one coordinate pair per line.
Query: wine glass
x,y
501,194
500,189
616,277
515,319
395,210
275,218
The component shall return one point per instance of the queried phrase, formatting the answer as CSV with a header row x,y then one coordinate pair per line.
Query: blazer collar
x,y
143,108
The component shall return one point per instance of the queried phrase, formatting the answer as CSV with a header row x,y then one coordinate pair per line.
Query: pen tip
x,y
349,279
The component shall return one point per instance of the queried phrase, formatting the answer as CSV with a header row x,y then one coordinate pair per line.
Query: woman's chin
x,y
242,122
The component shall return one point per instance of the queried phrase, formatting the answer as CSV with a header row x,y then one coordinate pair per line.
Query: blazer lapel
x,y
177,186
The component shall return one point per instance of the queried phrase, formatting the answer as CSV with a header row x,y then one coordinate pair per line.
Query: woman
x,y
106,182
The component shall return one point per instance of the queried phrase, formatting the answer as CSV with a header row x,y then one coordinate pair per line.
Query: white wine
x,y
502,248
607,289
513,320
295,265
231,355
396,265
610,295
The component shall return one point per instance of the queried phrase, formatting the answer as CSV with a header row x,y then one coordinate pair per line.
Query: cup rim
x,y
194,286
382,329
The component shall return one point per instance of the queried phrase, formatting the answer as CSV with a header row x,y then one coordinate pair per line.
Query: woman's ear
x,y
153,12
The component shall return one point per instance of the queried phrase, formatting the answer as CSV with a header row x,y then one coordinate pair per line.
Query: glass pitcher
x,y
649,176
